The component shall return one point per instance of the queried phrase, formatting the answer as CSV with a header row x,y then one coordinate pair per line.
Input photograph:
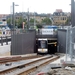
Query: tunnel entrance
x,y
52,46
46,46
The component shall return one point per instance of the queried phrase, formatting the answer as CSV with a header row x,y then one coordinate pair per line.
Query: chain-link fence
x,y
18,31
23,42
70,44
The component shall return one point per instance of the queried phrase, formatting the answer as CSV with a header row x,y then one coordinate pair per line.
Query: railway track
x,y
17,58
24,67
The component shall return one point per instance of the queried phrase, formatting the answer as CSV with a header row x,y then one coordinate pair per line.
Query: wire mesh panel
x,y
73,42
23,42
70,44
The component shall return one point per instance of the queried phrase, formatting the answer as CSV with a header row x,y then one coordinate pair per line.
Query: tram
x,y
42,45
46,46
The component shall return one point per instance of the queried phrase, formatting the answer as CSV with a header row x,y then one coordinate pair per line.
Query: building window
x,y
58,18
63,18
56,22
16,17
42,19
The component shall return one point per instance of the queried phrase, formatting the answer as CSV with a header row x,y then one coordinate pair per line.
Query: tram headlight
x,y
55,45
42,50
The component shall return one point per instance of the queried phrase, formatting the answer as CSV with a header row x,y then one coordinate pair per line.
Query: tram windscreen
x,y
42,44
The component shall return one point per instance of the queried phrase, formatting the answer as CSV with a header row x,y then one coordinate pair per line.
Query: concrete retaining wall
x,y
5,50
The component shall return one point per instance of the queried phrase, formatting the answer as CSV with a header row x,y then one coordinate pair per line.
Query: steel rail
x,y
17,58
26,68
23,63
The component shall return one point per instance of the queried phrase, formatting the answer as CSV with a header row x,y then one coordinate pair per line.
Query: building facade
x,y
3,21
36,16
59,17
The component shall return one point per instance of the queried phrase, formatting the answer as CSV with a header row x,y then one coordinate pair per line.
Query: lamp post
x,y
14,16
34,21
28,20
72,12
11,14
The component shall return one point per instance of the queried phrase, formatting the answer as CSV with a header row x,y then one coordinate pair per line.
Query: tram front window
x,y
42,44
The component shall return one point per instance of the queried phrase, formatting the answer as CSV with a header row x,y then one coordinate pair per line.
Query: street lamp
x,y
34,21
28,20
14,16
11,14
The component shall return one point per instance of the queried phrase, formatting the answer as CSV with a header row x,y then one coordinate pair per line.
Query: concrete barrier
x,y
5,50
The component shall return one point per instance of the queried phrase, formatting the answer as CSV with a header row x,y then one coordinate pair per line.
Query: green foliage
x,y
9,21
32,21
39,26
46,21
18,22
68,21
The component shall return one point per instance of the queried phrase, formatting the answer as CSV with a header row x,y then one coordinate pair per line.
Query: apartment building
x,y
59,17
3,21
36,16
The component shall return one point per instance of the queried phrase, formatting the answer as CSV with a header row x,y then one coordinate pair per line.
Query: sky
x,y
39,6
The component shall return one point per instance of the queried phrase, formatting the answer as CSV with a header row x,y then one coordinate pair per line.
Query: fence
x,y
5,32
18,31
5,39
23,42
70,44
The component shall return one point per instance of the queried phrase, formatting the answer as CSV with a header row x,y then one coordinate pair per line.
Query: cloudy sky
x,y
39,6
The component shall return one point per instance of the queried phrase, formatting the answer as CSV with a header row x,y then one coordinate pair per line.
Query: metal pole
x,y
6,40
1,41
28,20
34,19
66,44
22,16
72,12
13,18
71,44
73,15
11,14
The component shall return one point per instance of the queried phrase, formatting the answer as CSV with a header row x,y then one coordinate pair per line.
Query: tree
x,y
68,21
39,26
20,22
46,21
9,21
32,21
